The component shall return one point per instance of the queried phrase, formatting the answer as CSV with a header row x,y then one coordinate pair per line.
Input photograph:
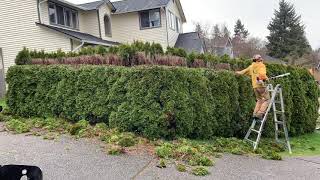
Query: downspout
x,y
98,14
77,48
39,12
166,26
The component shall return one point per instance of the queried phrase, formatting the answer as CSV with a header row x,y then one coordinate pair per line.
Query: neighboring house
x,y
191,42
57,24
221,46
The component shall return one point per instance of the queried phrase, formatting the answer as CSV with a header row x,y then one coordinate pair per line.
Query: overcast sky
x,y
255,14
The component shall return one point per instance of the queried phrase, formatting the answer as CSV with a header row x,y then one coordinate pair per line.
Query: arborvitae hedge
x,y
157,101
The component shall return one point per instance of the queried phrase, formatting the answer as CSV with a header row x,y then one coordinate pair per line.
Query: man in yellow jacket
x,y
258,72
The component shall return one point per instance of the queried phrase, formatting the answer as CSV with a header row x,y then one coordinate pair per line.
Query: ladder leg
x,y
287,138
285,129
251,127
275,119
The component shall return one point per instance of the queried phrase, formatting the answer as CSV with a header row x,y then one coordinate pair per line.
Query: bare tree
x,y
248,48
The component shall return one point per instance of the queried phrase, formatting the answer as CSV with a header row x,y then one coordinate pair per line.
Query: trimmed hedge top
x,y
157,101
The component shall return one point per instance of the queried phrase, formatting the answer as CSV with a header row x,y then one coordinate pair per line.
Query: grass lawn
x,y
306,145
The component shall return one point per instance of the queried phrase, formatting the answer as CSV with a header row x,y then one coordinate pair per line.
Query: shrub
x,y
272,155
76,128
200,171
157,102
17,126
23,57
176,52
181,167
200,160
162,164
126,140
114,49
101,50
115,151
127,53
165,151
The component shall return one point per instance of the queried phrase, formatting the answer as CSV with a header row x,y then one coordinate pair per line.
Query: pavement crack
x,y
309,161
144,168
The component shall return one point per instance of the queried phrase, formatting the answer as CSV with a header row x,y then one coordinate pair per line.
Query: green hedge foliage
x,y
156,102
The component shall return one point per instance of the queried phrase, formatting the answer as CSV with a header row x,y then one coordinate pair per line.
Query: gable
x,y
180,9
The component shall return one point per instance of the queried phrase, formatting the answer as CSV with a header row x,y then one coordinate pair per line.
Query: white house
x,y
58,24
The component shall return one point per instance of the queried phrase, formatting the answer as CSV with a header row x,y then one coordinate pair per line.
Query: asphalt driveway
x,y
67,158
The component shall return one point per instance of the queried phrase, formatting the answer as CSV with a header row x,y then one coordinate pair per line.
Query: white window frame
x,y
178,24
108,34
172,21
64,16
150,24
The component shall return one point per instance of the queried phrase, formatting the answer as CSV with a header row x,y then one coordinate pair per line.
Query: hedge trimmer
x,y
280,76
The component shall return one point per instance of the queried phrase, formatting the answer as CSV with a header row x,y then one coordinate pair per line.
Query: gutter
x,y
165,12
77,48
91,42
98,14
39,12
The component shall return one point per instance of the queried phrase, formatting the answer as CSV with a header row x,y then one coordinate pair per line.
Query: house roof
x,y
127,6
222,41
84,37
96,4
190,42
87,6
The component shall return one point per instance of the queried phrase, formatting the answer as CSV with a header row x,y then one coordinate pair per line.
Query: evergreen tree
x,y
201,29
216,31
287,33
240,31
226,32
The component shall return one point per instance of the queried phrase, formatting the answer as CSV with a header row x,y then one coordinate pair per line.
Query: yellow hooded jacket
x,y
256,70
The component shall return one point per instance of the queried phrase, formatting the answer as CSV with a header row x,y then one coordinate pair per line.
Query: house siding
x,y
18,29
173,34
126,29
88,22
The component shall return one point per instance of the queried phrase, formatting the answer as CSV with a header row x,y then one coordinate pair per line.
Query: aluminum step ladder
x,y
280,123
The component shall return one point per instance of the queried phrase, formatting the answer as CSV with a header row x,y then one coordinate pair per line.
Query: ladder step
x,y
277,102
279,112
280,132
253,142
279,122
255,131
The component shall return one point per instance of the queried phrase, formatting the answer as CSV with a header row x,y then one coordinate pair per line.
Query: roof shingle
x,y
91,5
95,5
127,6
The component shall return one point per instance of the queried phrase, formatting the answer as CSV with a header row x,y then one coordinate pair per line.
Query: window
x,y
150,19
60,15
107,25
74,19
178,25
63,16
52,13
172,23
